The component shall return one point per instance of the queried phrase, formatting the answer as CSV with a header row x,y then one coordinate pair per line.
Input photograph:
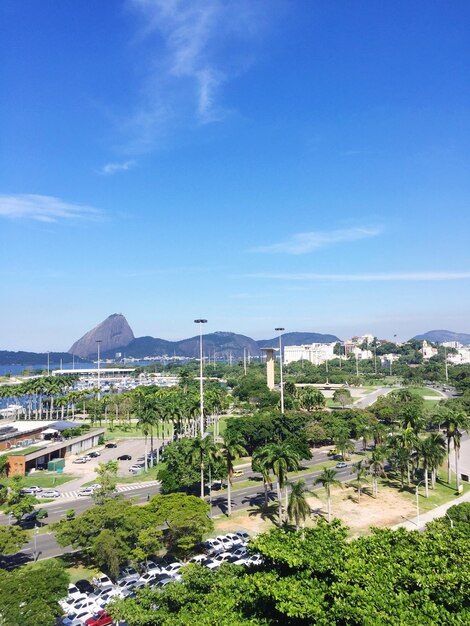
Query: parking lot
x,y
85,472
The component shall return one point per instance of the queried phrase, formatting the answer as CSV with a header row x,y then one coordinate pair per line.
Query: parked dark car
x,y
36,516
124,457
84,586
93,455
111,445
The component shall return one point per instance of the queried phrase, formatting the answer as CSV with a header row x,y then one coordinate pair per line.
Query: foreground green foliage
x,y
317,577
118,532
29,595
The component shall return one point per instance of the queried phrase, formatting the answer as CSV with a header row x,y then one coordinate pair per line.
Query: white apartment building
x,y
462,357
386,359
315,353
361,355
452,344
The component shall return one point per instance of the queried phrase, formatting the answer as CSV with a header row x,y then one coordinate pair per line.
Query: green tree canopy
x,y
29,594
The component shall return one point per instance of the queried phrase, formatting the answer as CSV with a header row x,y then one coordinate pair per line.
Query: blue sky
x,y
302,163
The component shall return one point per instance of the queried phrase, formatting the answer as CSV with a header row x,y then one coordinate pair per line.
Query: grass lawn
x,y
222,425
243,484
42,479
76,569
431,404
143,477
425,391
28,450
124,433
440,495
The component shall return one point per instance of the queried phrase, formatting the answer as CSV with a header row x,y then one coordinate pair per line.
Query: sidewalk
x,y
439,511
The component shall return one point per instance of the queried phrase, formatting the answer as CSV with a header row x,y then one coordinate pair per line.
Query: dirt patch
x,y
388,509
242,520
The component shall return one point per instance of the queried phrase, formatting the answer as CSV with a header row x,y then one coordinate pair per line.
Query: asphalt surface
x,y
45,546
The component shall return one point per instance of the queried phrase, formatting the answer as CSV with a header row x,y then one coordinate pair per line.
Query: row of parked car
x,y
86,602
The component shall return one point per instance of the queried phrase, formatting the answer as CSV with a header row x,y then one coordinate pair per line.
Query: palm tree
x,y
202,452
343,443
455,418
282,459
260,462
232,449
361,476
437,447
400,459
408,440
145,423
429,450
298,507
328,479
378,432
376,467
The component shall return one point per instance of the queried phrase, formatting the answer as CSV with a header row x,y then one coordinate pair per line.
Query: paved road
x,y
372,397
46,547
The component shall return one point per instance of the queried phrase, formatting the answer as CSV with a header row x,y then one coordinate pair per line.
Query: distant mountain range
x,y
222,344
440,336
116,336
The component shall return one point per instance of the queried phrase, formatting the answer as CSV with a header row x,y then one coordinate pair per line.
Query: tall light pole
x,y
279,330
48,363
445,361
201,386
417,502
98,341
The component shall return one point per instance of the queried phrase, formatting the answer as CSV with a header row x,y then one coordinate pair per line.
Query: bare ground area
x,y
389,508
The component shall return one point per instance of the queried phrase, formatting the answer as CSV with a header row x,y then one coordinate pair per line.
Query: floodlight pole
x,y
201,385
279,329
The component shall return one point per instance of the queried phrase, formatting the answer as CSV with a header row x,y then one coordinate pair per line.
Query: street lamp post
x,y
445,362
201,386
279,329
98,341
48,363
417,502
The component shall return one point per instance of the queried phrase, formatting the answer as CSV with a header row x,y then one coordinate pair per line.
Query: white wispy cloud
x,y
366,277
114,168
44,208
302,243
193,58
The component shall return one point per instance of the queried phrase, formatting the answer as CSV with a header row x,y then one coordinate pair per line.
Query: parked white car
x,y
49,493
172,569
31,490
218,559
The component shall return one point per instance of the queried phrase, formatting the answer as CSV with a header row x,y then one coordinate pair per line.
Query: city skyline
x,y
304,164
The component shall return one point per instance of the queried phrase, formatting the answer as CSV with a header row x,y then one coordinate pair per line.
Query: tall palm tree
x,y
408,440
260,462
202,453
428,450
376,467
455,419
298,507
437,447
145,423
282,459
328,479
361,476
232,449
378,432
343,443
400,459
